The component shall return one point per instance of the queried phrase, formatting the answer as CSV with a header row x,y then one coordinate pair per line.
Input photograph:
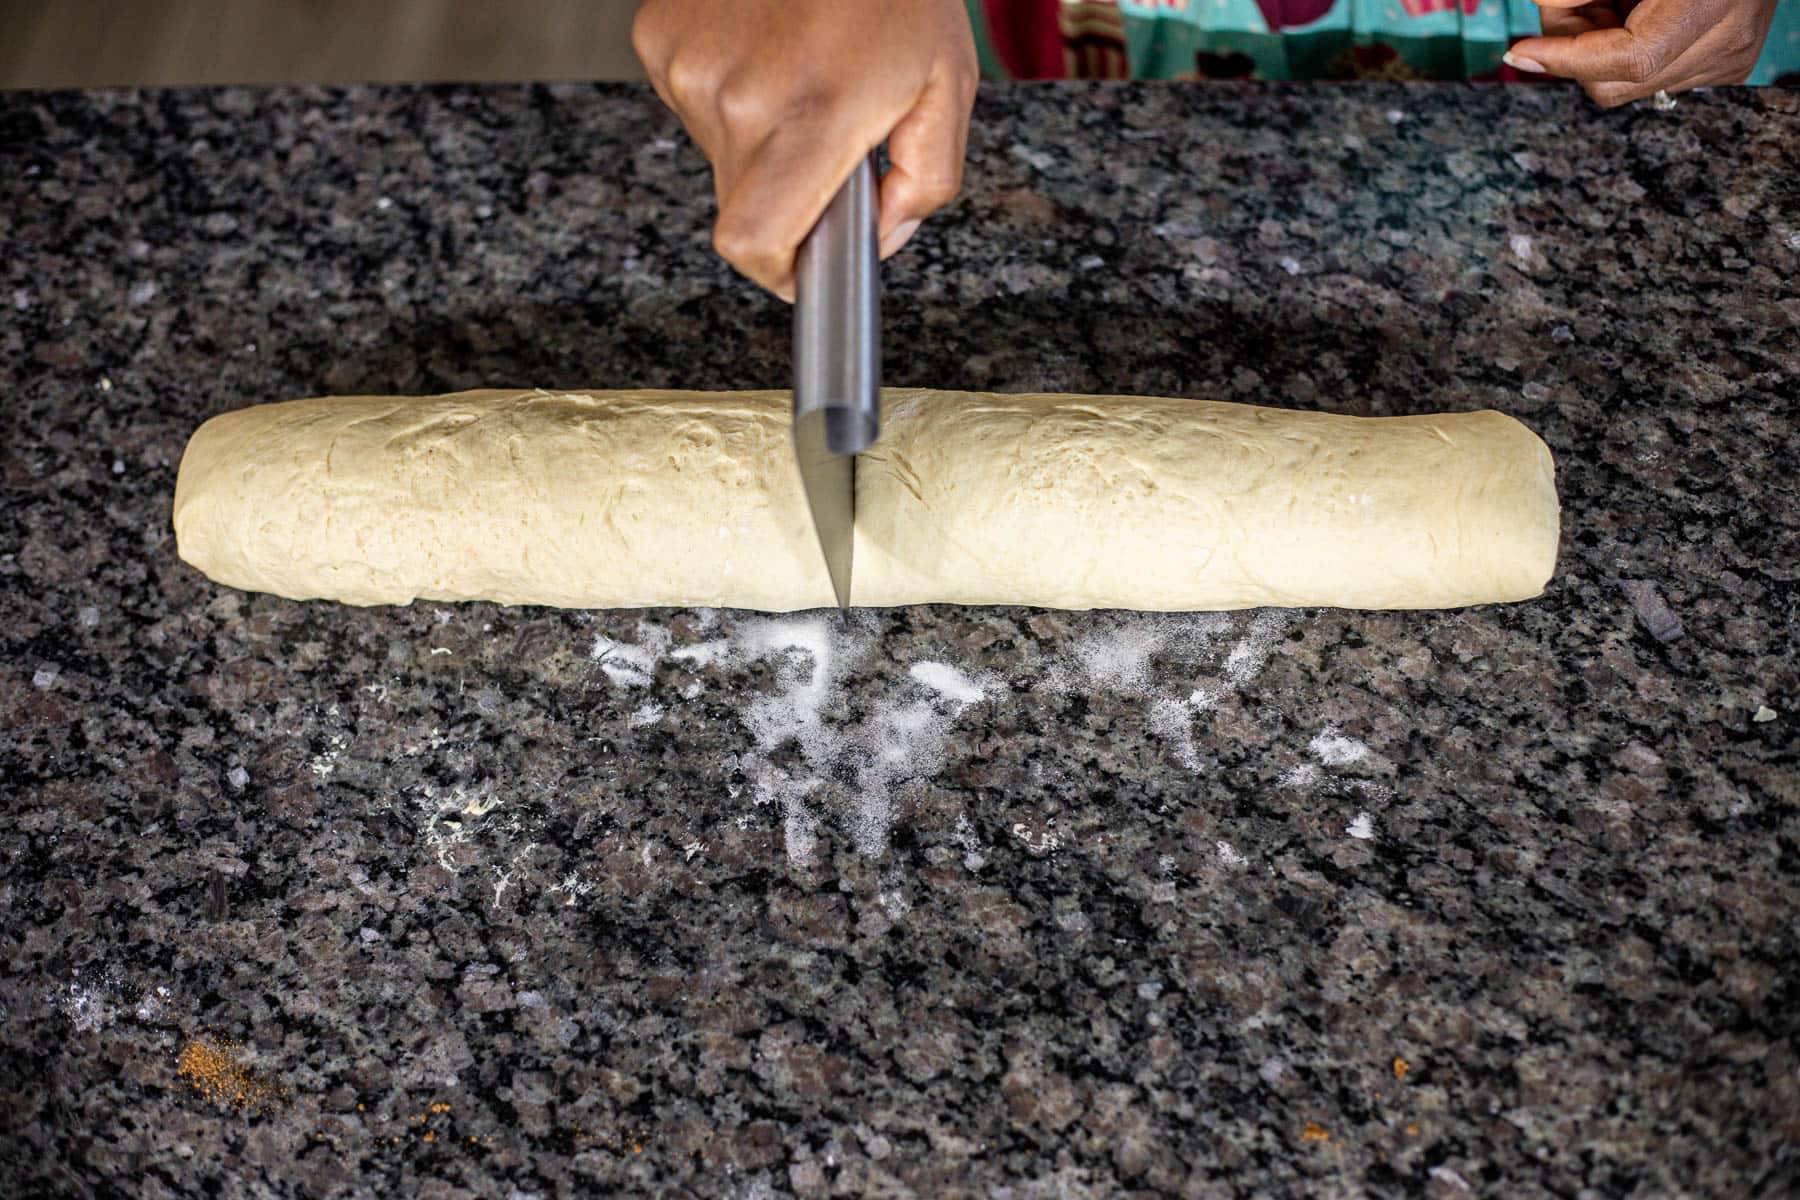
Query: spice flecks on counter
x,y
212,1068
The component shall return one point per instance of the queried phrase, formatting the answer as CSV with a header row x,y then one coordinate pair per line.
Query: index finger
x,y
778,195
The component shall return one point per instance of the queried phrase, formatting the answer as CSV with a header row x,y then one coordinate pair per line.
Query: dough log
x,y
635,499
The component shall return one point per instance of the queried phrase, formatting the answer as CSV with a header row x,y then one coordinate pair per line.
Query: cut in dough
x,y
638,499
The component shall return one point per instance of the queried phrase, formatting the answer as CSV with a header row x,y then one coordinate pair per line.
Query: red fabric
x,y
1420,8
1284,14
1026,37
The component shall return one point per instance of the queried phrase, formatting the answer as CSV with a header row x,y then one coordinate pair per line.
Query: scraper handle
x,y
837,317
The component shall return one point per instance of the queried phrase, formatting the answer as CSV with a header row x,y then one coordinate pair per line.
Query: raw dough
x,y
628,499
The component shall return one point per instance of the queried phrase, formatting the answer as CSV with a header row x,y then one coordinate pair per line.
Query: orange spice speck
x,y
1412,1129
1401,1067
1315,1132
211,1068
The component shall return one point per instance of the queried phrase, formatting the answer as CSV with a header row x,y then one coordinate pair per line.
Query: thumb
x,y
1636,52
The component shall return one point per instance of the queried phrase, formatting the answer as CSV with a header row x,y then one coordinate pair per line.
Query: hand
x,y
785,97
1624,50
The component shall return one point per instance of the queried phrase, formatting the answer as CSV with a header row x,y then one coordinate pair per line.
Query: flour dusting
x,y
839,737
1335,750
89,1009
947,681
901,743
631,664
1173,722
1299,778
1332,750
1247,657
1125,657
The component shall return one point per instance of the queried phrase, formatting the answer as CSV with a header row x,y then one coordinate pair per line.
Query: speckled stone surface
x,y
494,902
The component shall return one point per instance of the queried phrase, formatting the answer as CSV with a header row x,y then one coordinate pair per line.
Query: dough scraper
x,y
837,363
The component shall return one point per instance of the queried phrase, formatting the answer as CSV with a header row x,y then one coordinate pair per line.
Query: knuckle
x,y
745,248
647,31
751,101
1642,64
687,76
732,242
939,190
741,103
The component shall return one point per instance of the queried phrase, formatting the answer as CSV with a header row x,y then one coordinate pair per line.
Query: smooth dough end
x,y
676,499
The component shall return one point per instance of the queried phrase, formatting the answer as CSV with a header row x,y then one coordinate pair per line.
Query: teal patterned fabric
x,y
1290,39
1445,44
1781,53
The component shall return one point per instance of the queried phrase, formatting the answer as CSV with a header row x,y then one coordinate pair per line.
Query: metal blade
x,y
830,481
837,363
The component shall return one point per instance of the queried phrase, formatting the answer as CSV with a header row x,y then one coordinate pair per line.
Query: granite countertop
x,y
303,900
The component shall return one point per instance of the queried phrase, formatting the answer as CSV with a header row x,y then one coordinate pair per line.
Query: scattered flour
x,y
322,765
89,1009
857,765
1128,657
812,654
815,752
902,742
970,841
1173,721
699,655
811,664
1120,658
1332,749
947,681
571,887
1449,1175
451,817
632,664
1247,657
1335,750
1301,777
152,1004
800,830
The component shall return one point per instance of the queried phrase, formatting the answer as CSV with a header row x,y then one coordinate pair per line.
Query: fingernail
x,y
898,236
1519,62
